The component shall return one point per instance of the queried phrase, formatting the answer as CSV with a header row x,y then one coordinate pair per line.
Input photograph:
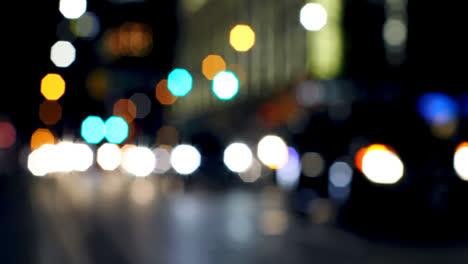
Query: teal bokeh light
x,y
179,82
116,129
225,85
93,129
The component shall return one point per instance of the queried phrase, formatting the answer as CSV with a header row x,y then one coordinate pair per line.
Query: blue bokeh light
x,y
437,108
179,82
116,129
287,177
93,129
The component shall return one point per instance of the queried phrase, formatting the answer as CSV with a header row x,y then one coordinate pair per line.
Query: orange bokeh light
x,y
363,151
40,137
126,109
462,145
242,38
130,39
50,112
211,65
164,96
52,86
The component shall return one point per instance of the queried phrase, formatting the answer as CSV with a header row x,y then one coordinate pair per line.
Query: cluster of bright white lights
x,y
378,163
382,166
139,161
64,157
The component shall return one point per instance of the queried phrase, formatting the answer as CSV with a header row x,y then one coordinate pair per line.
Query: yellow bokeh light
x,y
242,38
164,96
211,65
52,86
40,137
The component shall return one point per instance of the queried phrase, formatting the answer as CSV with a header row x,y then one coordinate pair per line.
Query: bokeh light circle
x,y
109,156
7,135
237,157
72,9
62,53
313,16
52,86
272,151
242,38
179,82
87,26
380,165
211,65
116,129
139,161
437,108
185,159
460,161
287,177
93,129
225,85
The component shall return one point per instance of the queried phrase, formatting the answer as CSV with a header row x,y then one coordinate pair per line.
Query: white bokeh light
x,y
109,156
62,54
394,32
237,157
253,173
313,17
43,160
272,151
36,163
163,160
185,159
65,157
72,9
382,166
225,85
460,162
84,157
139,161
